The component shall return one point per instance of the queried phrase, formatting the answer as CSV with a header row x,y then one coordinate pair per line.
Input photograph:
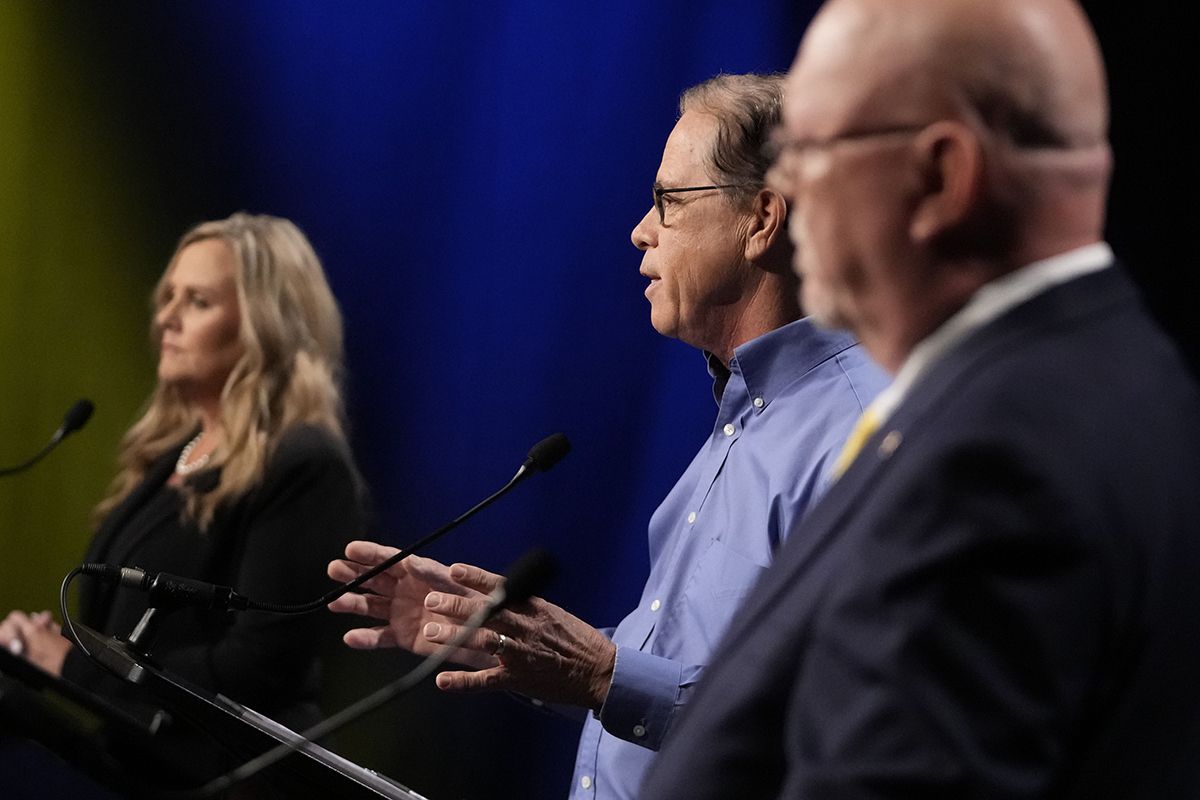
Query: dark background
x,y
469,173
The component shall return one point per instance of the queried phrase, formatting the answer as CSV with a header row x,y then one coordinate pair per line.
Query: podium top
x,y
229,730
39,682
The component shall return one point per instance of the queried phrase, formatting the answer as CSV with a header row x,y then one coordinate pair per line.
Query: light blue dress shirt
x,y
786,405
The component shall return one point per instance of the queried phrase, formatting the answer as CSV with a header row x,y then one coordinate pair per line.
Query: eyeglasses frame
x,y
777,144
659,191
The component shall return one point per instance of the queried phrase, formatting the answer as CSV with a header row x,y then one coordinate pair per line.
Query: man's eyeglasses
x,y
659,191
779,144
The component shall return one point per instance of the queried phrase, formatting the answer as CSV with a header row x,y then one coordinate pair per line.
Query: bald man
x,y
998,597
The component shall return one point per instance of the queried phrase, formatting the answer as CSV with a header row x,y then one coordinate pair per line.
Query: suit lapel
x,y
94,594
1067,304
156,476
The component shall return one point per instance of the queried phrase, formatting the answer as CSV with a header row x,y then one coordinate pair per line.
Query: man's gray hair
x,y
747,108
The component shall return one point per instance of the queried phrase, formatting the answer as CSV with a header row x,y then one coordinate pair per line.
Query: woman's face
x,y
198,321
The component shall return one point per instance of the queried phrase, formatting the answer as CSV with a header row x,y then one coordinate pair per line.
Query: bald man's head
x,y
1029,70
930,146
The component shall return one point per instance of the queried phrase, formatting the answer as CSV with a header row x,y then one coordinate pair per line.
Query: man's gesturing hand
x,y
534,647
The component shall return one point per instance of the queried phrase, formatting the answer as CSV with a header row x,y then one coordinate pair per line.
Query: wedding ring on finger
x,y
501,641
16,647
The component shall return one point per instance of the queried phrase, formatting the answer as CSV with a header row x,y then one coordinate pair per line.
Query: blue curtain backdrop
x,y
469,173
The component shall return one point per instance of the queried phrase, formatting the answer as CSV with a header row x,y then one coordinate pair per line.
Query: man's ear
x,y
950,165
768,222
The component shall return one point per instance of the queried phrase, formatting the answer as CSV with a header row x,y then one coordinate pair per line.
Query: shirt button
x,y
585,782
639,731
759,402
656,605
729,429
691,517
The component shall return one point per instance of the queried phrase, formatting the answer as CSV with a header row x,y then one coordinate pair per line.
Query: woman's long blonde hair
x,y
290,370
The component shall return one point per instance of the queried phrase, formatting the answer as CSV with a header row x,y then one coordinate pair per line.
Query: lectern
x,y
171,736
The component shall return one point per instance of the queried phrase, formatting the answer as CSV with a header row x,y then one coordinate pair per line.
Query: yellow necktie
x,y
866,426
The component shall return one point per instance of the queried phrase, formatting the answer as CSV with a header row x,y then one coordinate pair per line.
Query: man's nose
x,y
645,233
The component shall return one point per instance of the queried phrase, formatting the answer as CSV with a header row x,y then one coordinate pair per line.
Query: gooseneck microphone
x,y
76,417
527,577
170,590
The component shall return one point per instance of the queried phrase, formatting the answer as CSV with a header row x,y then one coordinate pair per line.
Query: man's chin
x,y
669,331
664,324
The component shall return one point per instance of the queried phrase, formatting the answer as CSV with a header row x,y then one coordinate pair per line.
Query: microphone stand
x,y
144,632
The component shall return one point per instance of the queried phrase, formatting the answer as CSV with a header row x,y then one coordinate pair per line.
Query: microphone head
x,y
77,417
529,575
548,452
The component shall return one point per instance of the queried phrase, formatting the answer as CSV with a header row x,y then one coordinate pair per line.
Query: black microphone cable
x,y
68,625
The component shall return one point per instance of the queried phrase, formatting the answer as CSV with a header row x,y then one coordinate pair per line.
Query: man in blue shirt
x,y
717,257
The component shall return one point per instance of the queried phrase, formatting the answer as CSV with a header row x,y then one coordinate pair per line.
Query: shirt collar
x,y
770,363
991,301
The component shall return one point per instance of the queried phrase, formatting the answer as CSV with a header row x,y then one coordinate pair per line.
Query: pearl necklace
x,y
181,465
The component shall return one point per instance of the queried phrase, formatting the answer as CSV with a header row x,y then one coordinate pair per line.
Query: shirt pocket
x,y
725,574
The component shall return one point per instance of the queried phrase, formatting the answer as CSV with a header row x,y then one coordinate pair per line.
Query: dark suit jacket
x,y
272,545
999,599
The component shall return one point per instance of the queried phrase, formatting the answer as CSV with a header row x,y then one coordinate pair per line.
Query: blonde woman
x,y
238,472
